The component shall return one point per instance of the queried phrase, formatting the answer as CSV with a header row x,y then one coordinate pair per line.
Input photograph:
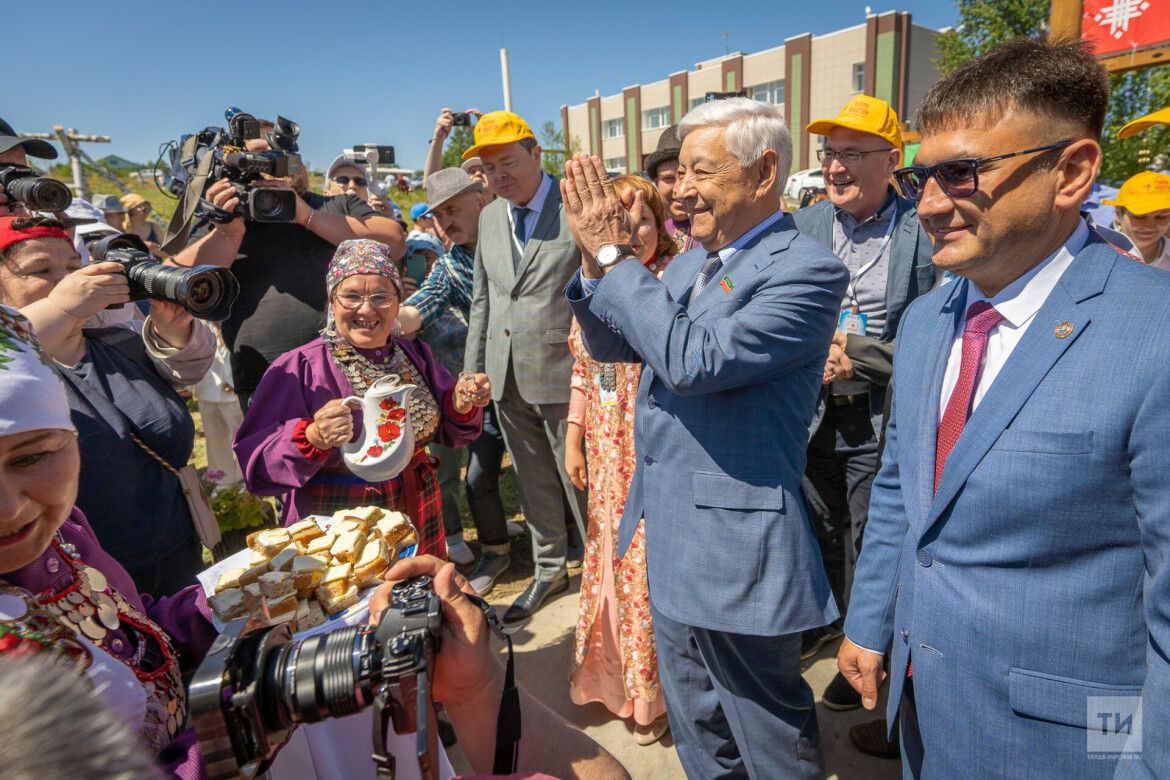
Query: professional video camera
x,y
36,192
216,153
257,683
206,291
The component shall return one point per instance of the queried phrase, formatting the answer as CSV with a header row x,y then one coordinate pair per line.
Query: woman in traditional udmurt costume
x,y
291,437
60,592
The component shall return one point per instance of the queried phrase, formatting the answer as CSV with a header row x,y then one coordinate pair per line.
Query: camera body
x,y
36,192
713,96
206,291
231,160
360,154
460,119
256,683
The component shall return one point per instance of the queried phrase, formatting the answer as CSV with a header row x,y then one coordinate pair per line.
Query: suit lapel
x,y
1030,362
502,265
547,227
743,265
903,244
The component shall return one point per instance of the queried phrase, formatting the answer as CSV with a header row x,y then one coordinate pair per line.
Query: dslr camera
x,y
256,683
217,153
36,192
206,291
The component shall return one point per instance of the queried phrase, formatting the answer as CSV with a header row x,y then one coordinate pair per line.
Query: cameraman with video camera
x,y
279,265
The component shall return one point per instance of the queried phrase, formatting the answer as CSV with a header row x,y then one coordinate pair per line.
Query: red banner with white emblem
x,y
1121,26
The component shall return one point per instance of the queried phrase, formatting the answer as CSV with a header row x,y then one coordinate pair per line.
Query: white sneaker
x,y
515,529
459,553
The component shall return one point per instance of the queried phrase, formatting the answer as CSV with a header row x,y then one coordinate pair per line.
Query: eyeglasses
x,y
344,180
847,157
956,178
353,301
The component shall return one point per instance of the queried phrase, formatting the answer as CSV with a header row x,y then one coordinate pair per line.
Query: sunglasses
x,y
956,178
344,180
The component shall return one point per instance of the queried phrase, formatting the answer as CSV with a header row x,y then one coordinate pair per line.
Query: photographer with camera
x,y
446,122
121,387
47,194
347,177
279,265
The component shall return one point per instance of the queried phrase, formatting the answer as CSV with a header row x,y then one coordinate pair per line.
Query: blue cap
x,y
418,241
417,210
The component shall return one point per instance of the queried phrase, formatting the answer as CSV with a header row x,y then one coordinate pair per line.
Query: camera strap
x,y
508,721
179,228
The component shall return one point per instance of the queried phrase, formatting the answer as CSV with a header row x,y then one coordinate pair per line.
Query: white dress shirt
x,y
534,206
1018,303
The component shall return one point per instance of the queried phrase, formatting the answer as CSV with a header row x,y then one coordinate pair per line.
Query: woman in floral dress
x,y
614,661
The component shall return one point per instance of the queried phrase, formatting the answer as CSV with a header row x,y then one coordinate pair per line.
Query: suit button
x,y
905,636
507,332
651,402
925,558
648,460
515,297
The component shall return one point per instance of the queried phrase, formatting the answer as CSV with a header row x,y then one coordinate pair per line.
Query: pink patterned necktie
x,y
981,319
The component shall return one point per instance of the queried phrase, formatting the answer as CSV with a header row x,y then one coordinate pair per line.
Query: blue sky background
x,y
367,72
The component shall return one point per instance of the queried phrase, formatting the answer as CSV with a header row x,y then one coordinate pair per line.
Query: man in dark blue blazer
x,y
1017,555
733,340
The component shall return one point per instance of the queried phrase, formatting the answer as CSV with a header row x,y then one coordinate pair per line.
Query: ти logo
x,y
1114,726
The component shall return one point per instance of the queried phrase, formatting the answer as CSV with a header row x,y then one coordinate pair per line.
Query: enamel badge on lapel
x,y
726,284
1064,330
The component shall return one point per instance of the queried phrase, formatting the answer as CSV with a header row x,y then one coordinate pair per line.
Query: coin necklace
x,y
94,609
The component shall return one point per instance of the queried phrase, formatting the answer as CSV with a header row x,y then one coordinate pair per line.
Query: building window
x,y
655,118
772,92
615,164
859,77
613,128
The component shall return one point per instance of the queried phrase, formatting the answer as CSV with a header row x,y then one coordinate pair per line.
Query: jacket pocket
x,y
1059,699
724,492
556,336
1052,442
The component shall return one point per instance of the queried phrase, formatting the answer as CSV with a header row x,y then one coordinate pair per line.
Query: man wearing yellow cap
x,y
878,236
1143,214
518,333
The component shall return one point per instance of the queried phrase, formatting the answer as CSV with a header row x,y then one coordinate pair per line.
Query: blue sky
x,y
367,72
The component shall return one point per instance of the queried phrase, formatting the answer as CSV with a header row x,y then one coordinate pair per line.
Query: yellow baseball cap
x,y
1144,193
864,114
1145,122
497,128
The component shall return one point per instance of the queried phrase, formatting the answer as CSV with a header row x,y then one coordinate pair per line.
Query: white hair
x,y
752,129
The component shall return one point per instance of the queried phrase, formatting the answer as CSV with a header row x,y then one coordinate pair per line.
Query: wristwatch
x,y
612,254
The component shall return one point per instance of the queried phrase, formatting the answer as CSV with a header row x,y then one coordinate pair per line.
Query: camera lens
x,y
266,205
39,194
323,676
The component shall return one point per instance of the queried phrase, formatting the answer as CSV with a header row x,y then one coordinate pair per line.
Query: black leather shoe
x,y
533,597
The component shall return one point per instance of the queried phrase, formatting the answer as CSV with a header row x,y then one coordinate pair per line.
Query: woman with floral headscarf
x,y
291,437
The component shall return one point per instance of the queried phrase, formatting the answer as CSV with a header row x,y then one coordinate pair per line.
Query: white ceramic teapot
x,y
386,444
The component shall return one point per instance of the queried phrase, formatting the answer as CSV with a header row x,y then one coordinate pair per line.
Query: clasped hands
x,y
597,216
838,366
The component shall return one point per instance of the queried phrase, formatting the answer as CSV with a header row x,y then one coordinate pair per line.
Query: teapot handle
x,y
352,401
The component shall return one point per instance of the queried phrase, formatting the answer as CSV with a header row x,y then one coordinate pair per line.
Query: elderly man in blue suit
x,y
733,340
1017,557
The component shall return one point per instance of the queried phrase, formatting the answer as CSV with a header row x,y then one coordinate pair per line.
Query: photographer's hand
x,y
90,289
171,323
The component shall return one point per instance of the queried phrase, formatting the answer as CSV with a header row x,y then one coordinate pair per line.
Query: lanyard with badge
x,y
853,321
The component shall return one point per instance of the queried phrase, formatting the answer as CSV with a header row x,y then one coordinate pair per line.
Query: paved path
x,y
543,650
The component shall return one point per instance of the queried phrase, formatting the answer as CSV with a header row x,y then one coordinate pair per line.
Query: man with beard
x,y
280,266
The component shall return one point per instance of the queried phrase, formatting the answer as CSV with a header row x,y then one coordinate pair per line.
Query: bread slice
x,y
229,579
321,545
228,604
314,618
283,559
252,574
270,541
348,547
347,525
397,530
252,596
304,531
366,515
335,580
283,610
332,604
372,564
306,572
276,584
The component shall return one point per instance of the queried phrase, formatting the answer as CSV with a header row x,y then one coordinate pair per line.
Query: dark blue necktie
x,y
706,273
519,216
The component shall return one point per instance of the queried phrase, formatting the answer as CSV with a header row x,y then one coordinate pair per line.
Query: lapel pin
x,y
1064,330
726,284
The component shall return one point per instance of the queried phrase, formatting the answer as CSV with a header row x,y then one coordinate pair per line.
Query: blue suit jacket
x,y
1039,574
726,395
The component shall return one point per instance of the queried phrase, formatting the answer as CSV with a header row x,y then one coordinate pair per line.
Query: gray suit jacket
x,y
521,313
727,390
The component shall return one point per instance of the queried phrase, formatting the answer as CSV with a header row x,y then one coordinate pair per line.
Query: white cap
x,y
32,396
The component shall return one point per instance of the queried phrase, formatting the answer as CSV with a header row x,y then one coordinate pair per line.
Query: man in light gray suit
x,y
733,342
518,334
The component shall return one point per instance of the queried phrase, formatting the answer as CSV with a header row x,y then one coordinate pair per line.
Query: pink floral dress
x,y
614,659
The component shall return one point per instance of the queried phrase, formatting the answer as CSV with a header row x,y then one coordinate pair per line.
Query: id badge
x,y
852,323
608,394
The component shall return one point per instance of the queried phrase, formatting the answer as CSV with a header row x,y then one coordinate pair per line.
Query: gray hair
x,y
752,129
68,733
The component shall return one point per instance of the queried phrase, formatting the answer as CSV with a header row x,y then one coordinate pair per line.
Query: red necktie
x,y
981,318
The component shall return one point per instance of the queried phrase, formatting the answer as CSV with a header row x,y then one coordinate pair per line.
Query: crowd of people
x,y
894,418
